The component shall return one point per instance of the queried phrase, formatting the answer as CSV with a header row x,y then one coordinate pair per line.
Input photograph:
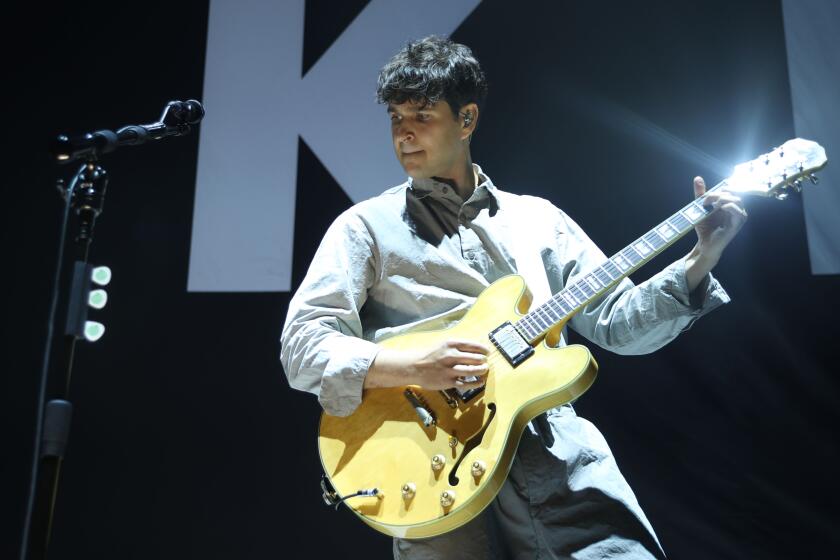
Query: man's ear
x,y
469,119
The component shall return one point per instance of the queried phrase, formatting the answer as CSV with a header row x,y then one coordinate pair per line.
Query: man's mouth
x,y
411,152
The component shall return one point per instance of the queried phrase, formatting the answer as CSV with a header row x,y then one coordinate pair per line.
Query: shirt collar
x,y
484,192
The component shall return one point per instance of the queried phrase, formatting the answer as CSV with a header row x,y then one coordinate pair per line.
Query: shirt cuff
x,y
707,296
344,377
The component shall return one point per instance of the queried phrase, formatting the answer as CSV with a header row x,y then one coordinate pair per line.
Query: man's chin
x,y
415,171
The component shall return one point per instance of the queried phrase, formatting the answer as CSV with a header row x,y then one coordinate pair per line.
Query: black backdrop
x,y
187,441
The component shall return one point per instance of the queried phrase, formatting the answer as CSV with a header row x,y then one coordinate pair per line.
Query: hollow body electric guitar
x,y
416,463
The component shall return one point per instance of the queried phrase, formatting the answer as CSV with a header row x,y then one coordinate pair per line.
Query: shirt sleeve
x,y
322,349
634,319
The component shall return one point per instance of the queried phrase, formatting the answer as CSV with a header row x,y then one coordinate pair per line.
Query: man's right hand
x,y
442,367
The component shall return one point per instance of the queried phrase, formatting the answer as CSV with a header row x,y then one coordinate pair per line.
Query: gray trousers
x,y
564,498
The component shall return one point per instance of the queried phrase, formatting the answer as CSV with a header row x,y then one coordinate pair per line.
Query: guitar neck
x,y
588,287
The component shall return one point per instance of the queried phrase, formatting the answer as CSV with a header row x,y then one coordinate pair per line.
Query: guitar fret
x,y
580,299
547,317
666,231
602,274
613,270
564,306
641,248
621,262
569,299
534,331
522,330
693,212
559,308
534,324
682,222
543,310
585,288
647,246
609,270
655,239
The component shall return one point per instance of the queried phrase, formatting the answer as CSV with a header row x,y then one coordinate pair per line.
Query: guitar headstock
x,y
783,168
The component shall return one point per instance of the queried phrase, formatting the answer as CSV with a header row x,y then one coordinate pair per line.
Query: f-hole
x,y
471,444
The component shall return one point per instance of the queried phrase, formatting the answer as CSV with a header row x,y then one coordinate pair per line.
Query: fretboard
x,y
592,285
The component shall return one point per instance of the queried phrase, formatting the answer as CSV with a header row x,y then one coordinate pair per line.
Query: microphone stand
x,y
85,195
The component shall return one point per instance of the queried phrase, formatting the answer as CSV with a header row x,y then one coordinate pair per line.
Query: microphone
x,y
176,120
190,112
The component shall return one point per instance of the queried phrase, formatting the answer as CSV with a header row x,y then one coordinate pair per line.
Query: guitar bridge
x,y
453,396
511,344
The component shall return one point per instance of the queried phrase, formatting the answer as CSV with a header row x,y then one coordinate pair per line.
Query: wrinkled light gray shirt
x,y
418,256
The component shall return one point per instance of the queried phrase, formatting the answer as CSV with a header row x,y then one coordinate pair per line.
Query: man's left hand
x,y
714,233
717,230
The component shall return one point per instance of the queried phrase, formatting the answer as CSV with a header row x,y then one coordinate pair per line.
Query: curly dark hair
x,y
432,69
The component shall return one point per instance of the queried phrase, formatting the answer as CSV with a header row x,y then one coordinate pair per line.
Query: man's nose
x,y
404,133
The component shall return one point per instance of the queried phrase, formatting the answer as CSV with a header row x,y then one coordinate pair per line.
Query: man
x,y
419,254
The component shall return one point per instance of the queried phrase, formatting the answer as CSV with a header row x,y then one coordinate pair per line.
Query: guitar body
x,y
385,445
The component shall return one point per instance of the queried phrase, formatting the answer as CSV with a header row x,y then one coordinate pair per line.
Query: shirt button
x,y
445,190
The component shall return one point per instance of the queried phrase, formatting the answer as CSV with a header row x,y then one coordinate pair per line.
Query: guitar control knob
x,y
447,498
409,489
438,461
478,468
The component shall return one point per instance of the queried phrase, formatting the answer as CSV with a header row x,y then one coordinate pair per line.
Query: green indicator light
x,y
101,275
97,299
94,330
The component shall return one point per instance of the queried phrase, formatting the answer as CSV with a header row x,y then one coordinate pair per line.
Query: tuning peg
x,y
94,330
814,179
101,275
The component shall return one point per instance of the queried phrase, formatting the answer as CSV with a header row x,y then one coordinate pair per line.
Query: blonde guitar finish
x,y
385,445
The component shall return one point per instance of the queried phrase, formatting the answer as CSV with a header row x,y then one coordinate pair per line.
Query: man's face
x,y
428,139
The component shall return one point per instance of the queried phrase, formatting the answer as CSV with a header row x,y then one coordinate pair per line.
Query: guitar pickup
x,y
511,344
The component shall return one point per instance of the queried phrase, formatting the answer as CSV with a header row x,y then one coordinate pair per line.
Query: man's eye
x,y
422,117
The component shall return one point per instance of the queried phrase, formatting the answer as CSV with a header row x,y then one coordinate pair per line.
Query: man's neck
x,y
463,181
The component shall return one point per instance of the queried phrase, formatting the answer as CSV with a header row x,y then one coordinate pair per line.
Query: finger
x,y
717,200
459,357
465,370
724,195
734,209
699,187
461,383
721,201
468,346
